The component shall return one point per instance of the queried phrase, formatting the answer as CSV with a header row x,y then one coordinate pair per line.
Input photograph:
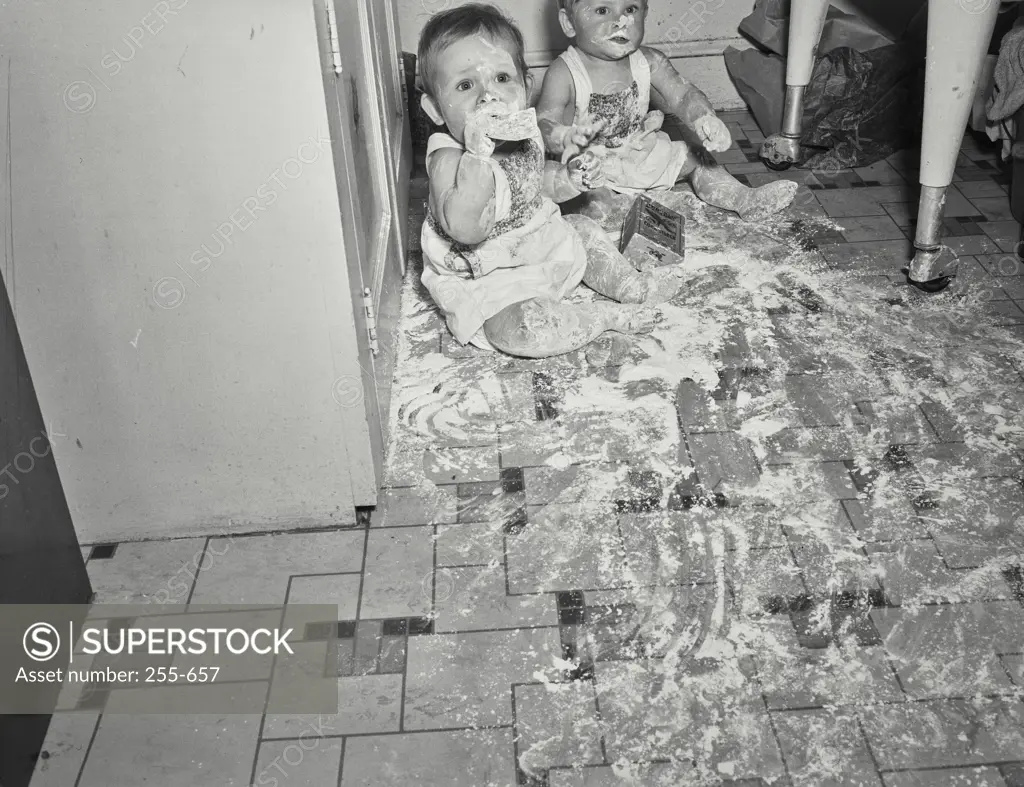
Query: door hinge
x,y
371,320
332,26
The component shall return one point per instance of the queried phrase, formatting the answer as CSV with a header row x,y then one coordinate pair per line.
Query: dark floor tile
x,y
103,552
420,626
396,627
512,481
642,493
545,396
1012,773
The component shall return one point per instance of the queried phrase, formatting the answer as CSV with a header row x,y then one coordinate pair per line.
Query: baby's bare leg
x,y
540,328
715,186
612,275
606,207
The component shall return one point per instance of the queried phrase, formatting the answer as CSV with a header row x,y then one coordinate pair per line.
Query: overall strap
x,y
642,76
581,81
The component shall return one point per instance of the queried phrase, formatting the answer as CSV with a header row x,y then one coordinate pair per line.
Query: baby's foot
x,y
663,284
633,319
769,199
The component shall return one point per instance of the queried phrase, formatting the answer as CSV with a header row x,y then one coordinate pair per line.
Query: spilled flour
x,y
753,511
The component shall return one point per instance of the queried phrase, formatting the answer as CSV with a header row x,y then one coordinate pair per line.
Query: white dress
x,y
532,252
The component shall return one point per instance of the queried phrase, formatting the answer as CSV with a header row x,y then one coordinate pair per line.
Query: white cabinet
x,y
194,206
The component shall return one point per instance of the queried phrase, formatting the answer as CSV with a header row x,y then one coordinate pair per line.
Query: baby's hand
x,y
580,135
475,137
713,133
583,133
653,121
586,171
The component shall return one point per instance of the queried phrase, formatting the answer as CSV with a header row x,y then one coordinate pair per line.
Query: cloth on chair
x,y
1008,93
768,26
858,108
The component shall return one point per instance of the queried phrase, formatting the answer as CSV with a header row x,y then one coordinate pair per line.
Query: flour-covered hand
x,y
579,136
653,121
586,171
713,133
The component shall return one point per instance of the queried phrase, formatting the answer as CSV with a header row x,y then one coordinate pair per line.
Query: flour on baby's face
x,y
608,29
475,71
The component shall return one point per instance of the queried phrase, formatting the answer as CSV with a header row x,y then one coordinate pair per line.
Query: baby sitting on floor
x,y
498,257
596,97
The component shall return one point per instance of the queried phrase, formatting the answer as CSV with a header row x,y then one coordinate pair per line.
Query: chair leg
x,y
958,37
806,18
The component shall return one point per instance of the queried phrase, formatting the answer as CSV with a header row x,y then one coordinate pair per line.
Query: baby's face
x,y
607,29
472,73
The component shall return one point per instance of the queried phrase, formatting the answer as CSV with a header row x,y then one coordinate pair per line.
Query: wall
x,y
694,33
188,380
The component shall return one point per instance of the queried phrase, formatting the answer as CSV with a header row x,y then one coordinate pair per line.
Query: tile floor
x,y
779,543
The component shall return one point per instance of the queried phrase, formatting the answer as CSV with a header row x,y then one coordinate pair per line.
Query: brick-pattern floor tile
x,y
1005,234
415,506
558,725
1013,663
664,548
942,733
571,484
824,444
876,256
461,465
994,208
951,650
880,172
454,680
893,421
746,527
724,460
825,747
478,600
983,514
910,572
828,676
366,704
564,547
529,444
630,692
759,577
817,400
655,774
397,576
1013,774
470,545
880,227
517,401
951,777
458,758
849,202
832,566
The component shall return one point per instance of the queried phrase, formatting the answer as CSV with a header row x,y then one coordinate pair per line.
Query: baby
x,y
596,96
498,257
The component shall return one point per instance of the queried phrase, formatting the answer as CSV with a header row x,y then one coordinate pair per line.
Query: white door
x,y
361,120
396,126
